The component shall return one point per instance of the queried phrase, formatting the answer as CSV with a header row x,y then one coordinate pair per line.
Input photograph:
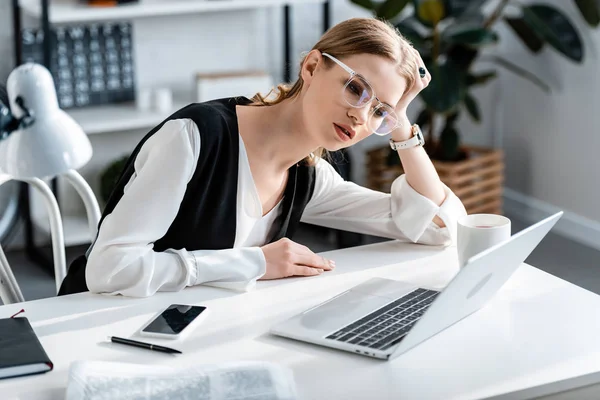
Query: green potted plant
x,y
451,34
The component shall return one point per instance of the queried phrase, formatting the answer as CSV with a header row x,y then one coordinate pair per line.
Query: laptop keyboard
x,y
387,326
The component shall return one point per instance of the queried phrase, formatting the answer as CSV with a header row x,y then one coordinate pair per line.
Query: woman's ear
x,y
310,65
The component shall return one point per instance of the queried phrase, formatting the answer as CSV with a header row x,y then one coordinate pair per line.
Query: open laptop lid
x,y
481,277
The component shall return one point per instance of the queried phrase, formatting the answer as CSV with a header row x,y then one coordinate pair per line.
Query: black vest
x,y
206,219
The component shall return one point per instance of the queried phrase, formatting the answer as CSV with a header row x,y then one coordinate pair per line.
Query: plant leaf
x,y
389,9
590,10
472,107
480,79
475,18
409,32
449,146
430,12
462,56
524,32
470,36
518,71
556,29
446,89
368,4
458,8
452,118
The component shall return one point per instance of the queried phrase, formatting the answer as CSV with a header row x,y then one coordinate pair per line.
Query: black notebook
x,y
21,352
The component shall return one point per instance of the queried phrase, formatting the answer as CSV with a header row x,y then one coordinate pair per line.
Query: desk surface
x,y
537,329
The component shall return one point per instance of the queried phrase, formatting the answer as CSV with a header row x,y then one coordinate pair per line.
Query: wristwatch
x,y
417,139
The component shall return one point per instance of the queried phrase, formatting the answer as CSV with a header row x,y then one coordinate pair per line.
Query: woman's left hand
x,y
412,92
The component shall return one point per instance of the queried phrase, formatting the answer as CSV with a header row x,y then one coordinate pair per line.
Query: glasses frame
x,y
352,75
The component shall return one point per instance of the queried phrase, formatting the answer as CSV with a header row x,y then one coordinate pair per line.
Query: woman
x,y
214,193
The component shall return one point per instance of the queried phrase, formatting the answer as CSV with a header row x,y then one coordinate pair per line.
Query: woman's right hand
x,y
287,258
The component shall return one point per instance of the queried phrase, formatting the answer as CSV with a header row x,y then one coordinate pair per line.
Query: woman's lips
x,y
346,130
341,133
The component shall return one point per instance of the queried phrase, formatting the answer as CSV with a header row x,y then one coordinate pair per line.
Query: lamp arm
x,y
9,288
89,200
56,229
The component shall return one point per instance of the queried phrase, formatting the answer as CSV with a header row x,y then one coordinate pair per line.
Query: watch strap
x,y
416,140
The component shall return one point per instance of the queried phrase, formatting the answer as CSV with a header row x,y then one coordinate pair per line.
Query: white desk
x,y
537,329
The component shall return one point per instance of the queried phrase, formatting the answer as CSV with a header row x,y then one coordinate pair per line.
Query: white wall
x,y
551,141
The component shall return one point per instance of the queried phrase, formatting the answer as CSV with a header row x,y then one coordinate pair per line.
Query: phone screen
x,y
174,319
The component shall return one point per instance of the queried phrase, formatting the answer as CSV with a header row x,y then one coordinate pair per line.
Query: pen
x,y
144,345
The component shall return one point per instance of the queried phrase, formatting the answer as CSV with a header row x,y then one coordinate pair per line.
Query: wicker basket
x,y
477,181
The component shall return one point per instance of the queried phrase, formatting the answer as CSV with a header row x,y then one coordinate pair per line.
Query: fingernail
x,y
320,270
332,263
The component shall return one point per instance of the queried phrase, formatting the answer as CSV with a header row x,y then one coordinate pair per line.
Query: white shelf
x,y
68,11
118,117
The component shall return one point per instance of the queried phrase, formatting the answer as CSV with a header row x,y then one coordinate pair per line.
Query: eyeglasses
x,y
358,93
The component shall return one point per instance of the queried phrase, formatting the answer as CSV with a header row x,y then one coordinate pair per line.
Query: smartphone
x,y
174,322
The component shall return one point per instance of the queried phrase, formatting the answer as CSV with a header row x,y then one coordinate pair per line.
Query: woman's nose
x,y
359,115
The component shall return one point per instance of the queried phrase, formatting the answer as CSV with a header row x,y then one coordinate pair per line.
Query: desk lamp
x,y
38,140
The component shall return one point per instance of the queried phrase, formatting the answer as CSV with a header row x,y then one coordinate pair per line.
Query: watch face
x,y
419,135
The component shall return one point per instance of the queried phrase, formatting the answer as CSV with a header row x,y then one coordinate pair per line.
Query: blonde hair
x,y
350,37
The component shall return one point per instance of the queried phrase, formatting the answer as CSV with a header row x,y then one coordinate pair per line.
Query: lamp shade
x,y
54,143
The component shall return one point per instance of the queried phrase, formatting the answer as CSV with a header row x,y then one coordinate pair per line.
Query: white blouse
x,y
122,260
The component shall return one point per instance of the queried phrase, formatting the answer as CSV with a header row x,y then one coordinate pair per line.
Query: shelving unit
x,y
68,11
113,118
104,119
122,117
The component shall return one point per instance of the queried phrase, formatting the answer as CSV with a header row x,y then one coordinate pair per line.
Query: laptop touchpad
x,y
341,311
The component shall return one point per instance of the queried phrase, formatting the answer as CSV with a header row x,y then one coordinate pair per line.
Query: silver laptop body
x,y
384,318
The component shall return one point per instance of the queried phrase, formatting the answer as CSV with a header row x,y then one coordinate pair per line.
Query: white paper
x,y
99,380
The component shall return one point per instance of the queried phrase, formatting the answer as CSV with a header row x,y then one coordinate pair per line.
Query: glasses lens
x,y
358,92
383,120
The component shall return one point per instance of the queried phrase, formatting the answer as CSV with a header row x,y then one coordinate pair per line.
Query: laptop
x,y
384,318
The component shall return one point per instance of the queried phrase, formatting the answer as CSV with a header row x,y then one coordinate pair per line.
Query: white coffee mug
x,y
478,232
